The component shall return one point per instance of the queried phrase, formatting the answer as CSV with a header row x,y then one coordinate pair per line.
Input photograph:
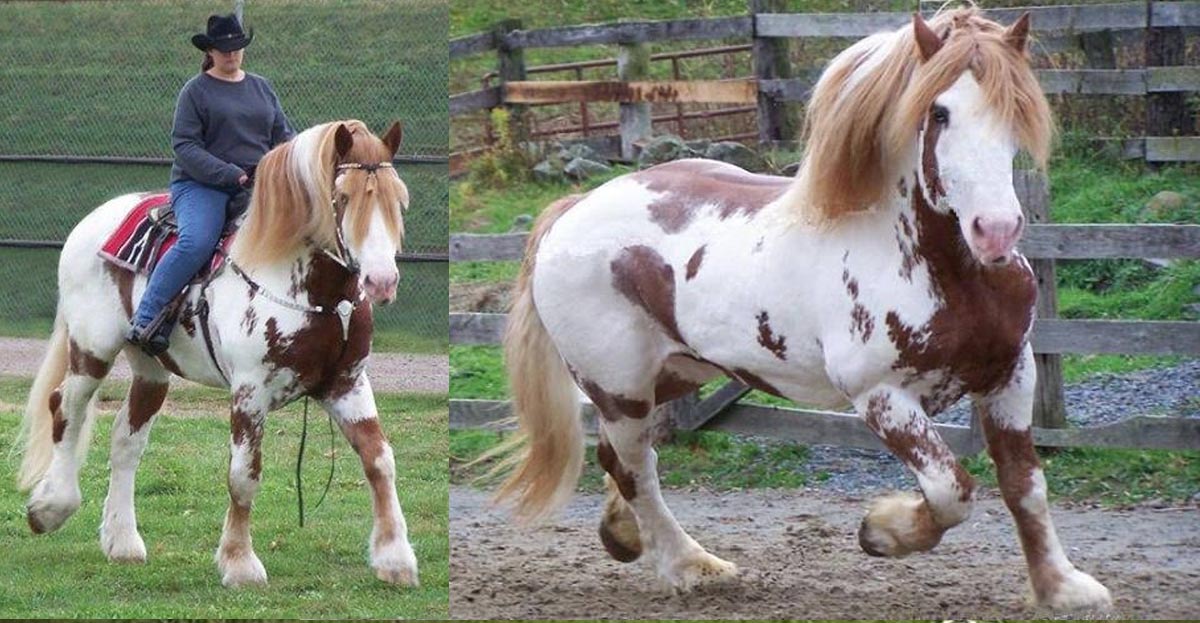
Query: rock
x,y
579,150
698,147
521,222
790,170
582,168
1164,205
662,149
736,154
549,170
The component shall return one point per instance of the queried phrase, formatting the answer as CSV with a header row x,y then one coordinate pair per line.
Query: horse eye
x,y
941,116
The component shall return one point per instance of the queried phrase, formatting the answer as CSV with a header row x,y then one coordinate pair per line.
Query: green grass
x,y
319,571
1110,477
707,459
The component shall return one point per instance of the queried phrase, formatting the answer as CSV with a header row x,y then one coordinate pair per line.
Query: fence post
x,y
1166,113
511,68
633,63
776,119
1049,409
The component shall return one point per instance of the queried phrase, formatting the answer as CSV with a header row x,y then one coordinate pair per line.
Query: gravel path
x,y
799,558
390,372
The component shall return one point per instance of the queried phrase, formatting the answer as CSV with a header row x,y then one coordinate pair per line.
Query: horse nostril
x,y
977,226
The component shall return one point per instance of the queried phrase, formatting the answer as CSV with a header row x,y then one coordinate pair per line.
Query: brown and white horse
x,y
884,276
275,328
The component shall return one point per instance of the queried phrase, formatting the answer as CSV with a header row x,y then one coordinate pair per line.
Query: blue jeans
x,y
201,213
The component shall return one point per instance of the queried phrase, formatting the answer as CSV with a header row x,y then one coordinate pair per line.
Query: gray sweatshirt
x,y
222,128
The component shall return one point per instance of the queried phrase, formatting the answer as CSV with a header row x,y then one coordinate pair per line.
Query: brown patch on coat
x,y
187,318
687,186
917,444
861,322
902,188
929,163
613,406
978,332
668,386
1016,460
123,279
59,422
246,429
755,381
81,361
767,338
145,399
369,441
693,265
325,366
611,463
641,275
250,320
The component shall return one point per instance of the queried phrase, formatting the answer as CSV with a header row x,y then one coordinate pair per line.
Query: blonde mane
x,y
293,194
867,106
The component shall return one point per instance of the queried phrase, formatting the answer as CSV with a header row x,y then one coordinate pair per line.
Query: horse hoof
x,y
241,572
123,546
898,525
700,569
395,563
1076,591
45,514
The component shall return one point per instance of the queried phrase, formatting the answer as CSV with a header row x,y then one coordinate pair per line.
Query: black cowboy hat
x,y
224,33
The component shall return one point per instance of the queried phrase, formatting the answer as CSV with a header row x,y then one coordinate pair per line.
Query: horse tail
x,y
546,455
37,425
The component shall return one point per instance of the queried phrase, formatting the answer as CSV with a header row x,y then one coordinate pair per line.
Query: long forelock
x,y
384,190
865,109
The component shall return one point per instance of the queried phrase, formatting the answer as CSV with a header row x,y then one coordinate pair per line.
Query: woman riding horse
x,y
225,120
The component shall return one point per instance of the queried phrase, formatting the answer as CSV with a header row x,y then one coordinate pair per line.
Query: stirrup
x,y
153,345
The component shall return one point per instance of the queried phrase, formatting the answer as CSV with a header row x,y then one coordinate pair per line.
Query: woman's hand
x,y
243,180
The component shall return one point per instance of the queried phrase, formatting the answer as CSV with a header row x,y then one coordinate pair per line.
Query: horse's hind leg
x,y
391,554
626,453
119,536
56,496
1006,418
901,524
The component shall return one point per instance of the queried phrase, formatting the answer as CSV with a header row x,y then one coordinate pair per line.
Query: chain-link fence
x,y
98,80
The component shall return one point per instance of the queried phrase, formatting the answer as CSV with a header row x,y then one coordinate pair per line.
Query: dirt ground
x,y
799,558
390,372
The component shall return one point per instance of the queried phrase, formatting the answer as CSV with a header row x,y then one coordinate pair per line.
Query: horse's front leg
x,y
391,554
1006,416
236,560
901,524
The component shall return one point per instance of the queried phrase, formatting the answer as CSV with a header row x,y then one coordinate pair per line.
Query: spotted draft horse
x,y
276,333
884,275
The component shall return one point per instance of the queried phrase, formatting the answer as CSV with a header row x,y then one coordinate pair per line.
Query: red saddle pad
x,y
139,243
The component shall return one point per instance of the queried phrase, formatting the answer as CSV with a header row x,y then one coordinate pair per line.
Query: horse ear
x,y
342,140
927,41
393,137
1017,35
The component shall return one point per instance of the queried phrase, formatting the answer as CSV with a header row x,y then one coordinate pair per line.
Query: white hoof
x,y
898,525
122,544
395,563
51,504
698,569
1077,591
244,570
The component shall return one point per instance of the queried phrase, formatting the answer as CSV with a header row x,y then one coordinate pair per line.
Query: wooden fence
x,y
1043,243
1165,82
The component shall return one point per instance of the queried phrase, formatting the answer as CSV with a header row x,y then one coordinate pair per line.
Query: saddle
x,y
151,229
